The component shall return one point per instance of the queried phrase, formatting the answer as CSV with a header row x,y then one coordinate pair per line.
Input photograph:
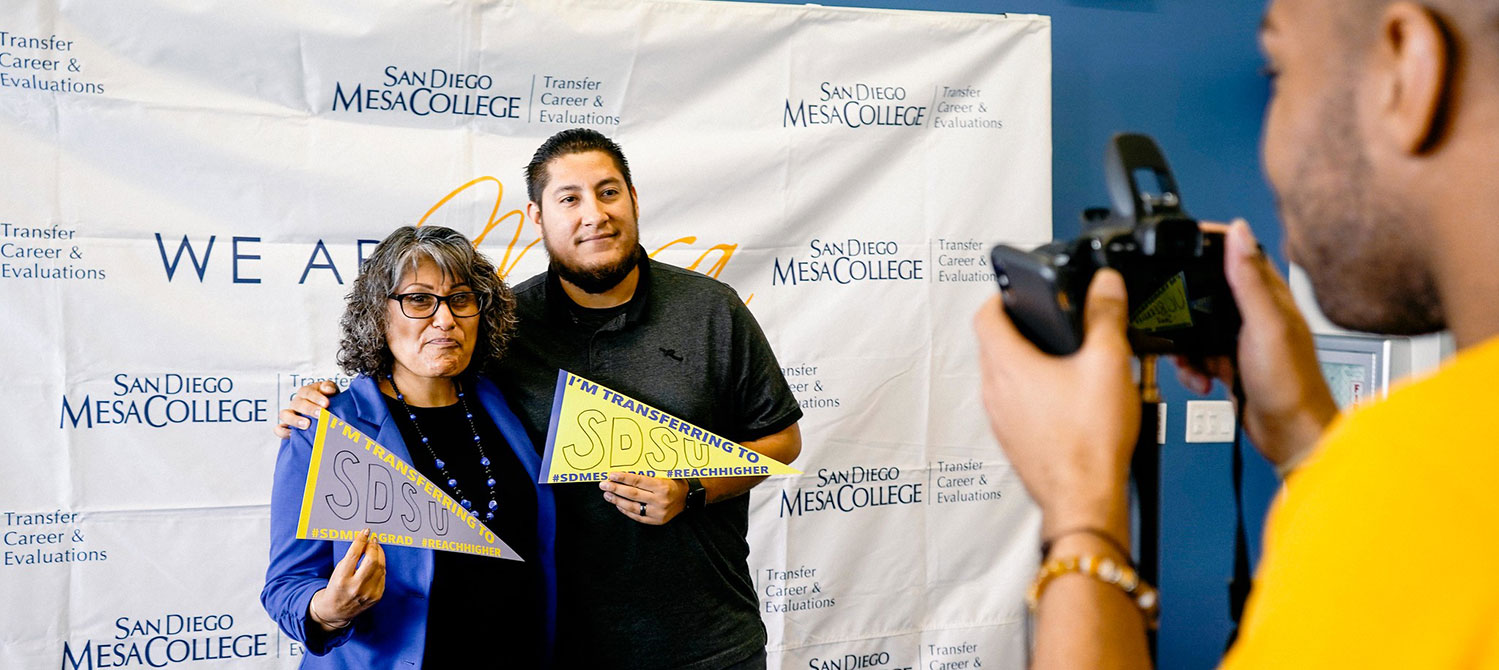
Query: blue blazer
x,y
392,633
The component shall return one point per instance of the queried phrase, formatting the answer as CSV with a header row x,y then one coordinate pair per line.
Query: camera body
x,y
1179,299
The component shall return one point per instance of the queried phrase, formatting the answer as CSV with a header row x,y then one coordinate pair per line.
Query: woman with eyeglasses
x,y
425,317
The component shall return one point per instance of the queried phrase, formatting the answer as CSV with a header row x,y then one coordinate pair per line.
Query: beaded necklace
x,y
442,466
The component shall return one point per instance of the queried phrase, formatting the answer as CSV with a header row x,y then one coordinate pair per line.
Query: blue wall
x,y
1187,72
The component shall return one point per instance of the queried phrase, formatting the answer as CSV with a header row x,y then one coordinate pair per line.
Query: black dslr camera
x,y
1179,300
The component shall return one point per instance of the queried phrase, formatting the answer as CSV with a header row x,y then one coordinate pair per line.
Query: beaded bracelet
x,y
1105,570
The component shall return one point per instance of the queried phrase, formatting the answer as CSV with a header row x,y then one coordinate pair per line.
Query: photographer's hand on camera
x,y
1288,404
1068,424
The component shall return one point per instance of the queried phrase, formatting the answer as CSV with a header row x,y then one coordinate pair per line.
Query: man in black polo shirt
x,y
653,573
645,581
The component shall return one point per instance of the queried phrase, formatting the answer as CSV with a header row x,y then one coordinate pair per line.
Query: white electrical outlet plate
x,y
1210,421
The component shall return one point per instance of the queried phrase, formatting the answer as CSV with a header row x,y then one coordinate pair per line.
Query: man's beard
x,y
600,279
1360,246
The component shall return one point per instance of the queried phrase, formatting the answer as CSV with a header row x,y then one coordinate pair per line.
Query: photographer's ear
x,y
1412,70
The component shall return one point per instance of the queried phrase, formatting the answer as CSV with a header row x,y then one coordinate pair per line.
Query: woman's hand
x,y
355,585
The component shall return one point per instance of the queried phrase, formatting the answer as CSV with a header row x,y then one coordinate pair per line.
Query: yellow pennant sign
x,y
1167,308
596,430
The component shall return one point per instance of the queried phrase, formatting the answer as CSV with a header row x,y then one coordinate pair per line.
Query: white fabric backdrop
x,y
188,186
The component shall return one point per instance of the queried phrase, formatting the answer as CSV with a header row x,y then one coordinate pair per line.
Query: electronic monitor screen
x,y
1355,367
1351,381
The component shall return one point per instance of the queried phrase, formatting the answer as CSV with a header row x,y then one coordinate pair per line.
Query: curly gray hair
x,y
364,350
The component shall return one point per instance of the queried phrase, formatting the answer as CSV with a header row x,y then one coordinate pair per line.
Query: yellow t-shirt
x,y
1382,550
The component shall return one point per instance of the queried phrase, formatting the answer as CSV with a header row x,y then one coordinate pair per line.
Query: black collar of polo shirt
x,y
559,305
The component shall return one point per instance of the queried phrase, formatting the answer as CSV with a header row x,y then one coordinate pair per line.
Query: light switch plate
x,y
1210,421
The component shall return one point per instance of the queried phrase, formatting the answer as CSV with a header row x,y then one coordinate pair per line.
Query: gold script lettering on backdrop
x,y
507,264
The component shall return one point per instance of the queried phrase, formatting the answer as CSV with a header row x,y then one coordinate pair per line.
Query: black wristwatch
x,y
697,496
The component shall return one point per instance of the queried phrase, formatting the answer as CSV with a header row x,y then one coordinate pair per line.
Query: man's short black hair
x,y
571,141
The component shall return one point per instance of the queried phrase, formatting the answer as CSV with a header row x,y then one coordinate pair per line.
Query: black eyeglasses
x,y
423,305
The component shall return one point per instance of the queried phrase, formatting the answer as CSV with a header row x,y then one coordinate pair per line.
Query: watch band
x,y
697,495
